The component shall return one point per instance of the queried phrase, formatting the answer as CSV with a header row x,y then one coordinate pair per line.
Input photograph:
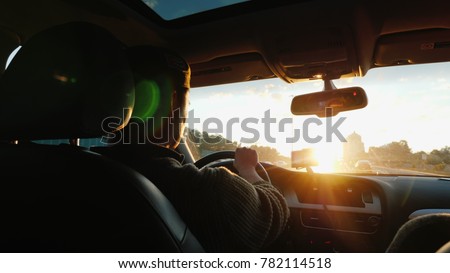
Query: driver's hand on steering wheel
x,y
245,161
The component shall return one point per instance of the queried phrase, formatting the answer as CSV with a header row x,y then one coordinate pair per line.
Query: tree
x,y
201,143
396,152
439,156
444,154
270,154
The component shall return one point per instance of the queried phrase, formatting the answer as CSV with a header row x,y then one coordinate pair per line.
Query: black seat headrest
x,y
64,82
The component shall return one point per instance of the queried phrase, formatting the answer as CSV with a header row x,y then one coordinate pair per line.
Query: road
x,y
385,170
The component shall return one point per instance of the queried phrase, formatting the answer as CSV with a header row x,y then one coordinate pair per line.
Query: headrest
x,y
158,72
64,82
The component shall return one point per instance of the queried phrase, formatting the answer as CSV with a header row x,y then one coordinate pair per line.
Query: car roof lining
x,y
209,15
205,38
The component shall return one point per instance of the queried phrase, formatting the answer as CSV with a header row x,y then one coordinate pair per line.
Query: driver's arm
x,y
225,211
254,211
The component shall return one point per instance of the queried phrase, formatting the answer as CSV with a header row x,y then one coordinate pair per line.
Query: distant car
x,y
363,165
281,163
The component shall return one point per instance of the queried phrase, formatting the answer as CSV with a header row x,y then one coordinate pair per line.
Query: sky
x,y
172,9
409,103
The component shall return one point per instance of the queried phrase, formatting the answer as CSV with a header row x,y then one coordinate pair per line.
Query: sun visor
x,y
415,47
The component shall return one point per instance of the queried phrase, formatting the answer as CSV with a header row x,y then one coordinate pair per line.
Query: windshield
x,y
403,130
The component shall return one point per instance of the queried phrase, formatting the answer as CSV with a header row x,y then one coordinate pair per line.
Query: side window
x,y
87,142
11,56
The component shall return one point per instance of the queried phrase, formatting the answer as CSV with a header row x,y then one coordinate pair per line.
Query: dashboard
x,y
354,213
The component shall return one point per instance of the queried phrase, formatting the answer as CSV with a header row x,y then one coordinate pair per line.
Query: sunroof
x,y
174,9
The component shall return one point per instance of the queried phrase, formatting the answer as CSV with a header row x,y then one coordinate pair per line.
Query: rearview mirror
x,y
330,102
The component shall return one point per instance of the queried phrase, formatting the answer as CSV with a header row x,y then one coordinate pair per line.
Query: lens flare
x,y
147,99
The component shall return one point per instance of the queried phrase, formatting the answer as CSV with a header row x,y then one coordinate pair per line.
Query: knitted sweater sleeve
x,y
249,216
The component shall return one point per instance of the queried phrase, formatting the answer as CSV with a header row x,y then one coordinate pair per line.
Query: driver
x,y
225,211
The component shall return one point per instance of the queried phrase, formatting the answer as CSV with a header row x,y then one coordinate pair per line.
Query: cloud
x,y
349,80
278,96
220,95
441,84
268,87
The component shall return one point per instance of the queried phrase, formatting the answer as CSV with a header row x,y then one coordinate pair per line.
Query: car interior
x,y
63,71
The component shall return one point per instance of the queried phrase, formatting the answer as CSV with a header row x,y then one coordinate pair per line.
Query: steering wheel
x,y
226,159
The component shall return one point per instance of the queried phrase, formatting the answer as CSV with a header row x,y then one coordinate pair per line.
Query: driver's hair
x,y
160,76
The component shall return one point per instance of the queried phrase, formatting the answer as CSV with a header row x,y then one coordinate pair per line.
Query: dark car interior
x,y
64,198
71,73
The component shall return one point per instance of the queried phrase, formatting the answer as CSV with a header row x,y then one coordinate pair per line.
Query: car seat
x,y
67,82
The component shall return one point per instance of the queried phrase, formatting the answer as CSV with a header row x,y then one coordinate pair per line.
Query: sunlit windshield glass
x,y
403,130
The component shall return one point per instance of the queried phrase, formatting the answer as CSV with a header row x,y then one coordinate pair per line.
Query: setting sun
x,y
327,156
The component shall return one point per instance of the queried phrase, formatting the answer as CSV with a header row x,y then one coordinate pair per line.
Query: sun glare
x,y
328,157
